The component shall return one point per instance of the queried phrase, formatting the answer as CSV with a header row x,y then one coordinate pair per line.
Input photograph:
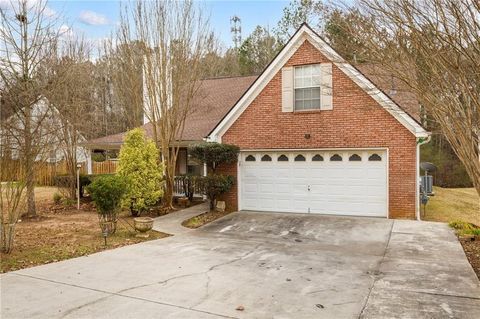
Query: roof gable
x,y
305,33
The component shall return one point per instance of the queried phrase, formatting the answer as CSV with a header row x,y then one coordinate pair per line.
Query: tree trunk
x,y
29,165
30,181
168,194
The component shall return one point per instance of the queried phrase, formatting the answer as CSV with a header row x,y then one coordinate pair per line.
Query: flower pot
x,y
143,225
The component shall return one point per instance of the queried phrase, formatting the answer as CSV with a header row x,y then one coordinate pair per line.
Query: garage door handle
x,y
308,187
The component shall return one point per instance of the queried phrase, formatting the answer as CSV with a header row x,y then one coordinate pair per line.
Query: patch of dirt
x,y
204,219
472,250
59,233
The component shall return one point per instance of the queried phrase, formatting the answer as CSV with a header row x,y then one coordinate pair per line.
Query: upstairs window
x,y
307,87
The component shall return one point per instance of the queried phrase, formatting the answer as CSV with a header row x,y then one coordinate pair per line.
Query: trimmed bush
x,y
215,185
107,193
139,166
98,157
214,154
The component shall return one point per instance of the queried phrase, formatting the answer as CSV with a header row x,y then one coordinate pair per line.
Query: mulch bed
x,y
203,219
472,250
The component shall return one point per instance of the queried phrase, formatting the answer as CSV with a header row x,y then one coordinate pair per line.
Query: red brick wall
x,y
355,121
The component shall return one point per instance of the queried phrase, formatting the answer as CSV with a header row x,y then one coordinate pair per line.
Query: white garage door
x,y
336,182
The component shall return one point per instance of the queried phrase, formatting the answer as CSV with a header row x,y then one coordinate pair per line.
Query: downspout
x,y
420,141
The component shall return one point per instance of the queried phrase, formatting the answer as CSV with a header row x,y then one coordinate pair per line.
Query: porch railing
x,y
179,190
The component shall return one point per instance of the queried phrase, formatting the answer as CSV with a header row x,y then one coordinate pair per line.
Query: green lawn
x,y
451,204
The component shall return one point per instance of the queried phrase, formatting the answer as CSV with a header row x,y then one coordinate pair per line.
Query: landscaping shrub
x,y
214,154
98,157
107,193
460,225
57,198
139,166
215,185
464,228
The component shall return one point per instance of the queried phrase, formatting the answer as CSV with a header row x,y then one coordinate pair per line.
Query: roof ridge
x,y
229,77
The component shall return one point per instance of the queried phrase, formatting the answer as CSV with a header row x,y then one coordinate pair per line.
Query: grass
x,y
454,204
205,218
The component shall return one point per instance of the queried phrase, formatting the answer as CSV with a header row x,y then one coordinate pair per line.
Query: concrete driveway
x,y
273,265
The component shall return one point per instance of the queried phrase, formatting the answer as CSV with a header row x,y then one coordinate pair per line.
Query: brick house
x,y
316,135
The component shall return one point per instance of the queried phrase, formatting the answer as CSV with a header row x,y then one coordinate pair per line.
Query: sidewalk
x,y
172,223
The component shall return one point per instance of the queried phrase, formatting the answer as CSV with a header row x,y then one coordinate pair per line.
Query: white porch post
x,y
204,174
89,163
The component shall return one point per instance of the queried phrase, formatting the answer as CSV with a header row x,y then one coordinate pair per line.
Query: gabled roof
x,y
305,33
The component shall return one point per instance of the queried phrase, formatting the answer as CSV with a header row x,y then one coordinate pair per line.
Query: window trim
x,y
295,67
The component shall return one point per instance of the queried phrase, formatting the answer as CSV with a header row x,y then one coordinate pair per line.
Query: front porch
x,y
109,152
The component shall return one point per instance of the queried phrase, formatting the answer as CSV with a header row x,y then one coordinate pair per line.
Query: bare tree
x,y
72,97
176,35
433,46
28,37
124,65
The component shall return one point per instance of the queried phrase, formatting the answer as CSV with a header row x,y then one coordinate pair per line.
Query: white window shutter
x,y
326,87
287,89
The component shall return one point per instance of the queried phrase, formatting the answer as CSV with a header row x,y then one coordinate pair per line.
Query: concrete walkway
x,y
172,223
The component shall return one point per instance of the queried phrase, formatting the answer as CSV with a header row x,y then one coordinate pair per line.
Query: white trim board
x,y
305,33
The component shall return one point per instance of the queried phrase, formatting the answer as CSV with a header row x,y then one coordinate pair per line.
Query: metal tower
x,y
236,30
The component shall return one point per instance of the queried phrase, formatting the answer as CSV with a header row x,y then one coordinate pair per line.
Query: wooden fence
x,y
106,167
45,172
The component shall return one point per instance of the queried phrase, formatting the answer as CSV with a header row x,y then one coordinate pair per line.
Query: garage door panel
x,y
266,188
345,187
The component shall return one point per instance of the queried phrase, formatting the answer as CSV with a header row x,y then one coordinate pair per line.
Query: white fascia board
x,y
305,33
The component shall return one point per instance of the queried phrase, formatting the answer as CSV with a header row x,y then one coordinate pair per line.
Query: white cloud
x,y
31,4
93,18
49,12
65,31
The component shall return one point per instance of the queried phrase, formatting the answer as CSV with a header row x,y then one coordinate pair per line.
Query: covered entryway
x,y
340,182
